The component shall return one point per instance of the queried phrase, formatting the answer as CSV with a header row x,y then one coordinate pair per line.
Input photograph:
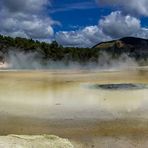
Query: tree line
x,y
48,51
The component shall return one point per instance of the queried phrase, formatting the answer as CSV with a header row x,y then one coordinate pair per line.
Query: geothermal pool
x,y
90,108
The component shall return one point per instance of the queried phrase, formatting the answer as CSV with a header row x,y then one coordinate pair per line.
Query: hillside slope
x,y
135,47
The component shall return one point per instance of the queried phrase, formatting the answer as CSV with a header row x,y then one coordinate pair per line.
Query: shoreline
x,y
83,133
69,128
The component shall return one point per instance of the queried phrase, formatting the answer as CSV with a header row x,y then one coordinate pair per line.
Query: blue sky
x,y
81,23
76,14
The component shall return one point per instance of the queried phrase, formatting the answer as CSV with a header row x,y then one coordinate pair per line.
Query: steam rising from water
x,y
4,65
32,60
37,102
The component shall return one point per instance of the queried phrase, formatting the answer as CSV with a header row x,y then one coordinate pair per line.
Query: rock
x,y
39,141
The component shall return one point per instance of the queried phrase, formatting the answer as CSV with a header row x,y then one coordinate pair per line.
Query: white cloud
x,y
139,7
116,25
143,32
25,18
27,6
85,37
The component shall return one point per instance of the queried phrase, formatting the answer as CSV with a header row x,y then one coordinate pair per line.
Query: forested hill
x,y
46,51
134,47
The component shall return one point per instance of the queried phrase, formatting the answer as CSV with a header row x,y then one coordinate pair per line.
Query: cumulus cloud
x,y
136,7
143,33
85,37
115,25
25,18
27,6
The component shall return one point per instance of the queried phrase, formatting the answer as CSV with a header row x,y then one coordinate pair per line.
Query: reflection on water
x,y
45,94
121,86
63,97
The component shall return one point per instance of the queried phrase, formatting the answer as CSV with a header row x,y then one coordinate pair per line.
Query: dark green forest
x,y
52,51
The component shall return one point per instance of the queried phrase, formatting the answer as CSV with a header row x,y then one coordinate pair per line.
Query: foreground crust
x,y
41,141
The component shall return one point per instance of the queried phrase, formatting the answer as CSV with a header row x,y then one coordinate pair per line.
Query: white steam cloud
x,y
32,60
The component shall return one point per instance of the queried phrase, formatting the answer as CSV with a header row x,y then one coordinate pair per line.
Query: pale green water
x,y
60,103
44,94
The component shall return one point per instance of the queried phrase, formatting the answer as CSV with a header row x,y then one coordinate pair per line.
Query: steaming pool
x,y
91,108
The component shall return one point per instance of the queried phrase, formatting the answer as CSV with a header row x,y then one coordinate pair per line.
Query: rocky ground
x,y
42,141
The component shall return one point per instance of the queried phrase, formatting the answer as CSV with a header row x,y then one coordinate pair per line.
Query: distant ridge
x,y
126,40
136,47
